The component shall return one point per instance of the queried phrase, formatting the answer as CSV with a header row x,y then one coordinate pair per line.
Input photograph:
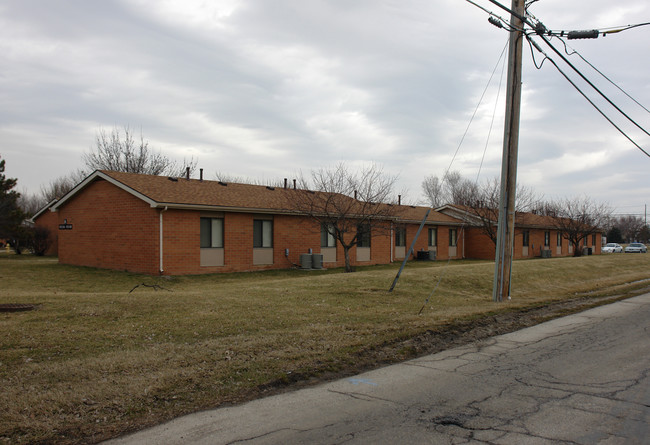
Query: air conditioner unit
x,y
305,260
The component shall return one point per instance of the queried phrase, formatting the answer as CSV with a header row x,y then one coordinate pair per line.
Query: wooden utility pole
x,y
506,228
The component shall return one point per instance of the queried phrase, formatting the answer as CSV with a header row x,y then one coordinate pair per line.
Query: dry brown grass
x,y
95,361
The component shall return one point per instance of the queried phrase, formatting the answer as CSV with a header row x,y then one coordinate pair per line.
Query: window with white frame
x,y
363,235
262,233
327,238
547,238
400,237
433,237
453,237
211,232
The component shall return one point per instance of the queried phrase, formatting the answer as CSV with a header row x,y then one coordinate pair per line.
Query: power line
x,y
494,19
593,33
539,29
541,35
574,51
585,96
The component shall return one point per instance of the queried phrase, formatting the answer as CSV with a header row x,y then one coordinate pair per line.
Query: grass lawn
x,y
95,360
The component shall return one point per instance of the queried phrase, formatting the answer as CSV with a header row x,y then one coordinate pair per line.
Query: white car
x,y
612,248
636,248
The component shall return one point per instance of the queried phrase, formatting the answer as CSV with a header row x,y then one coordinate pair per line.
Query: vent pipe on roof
x,y
294,184
187,173
200,174
355,194
399,200
285,182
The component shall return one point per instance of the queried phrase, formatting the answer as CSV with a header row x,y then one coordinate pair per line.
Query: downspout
x,y
463,231
161,270
392,242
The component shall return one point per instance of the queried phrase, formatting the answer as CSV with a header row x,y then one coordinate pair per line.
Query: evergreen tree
x,y
11,216
614,235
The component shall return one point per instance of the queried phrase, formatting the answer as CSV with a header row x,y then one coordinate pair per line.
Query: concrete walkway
x,y
580,379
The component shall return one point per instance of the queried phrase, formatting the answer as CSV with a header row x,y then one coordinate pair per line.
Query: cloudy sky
x,y
267,89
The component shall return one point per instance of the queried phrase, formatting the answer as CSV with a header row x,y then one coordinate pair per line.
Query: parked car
x,y
612,248
636,248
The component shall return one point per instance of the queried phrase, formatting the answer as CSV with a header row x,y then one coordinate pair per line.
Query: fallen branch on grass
x,y
154,286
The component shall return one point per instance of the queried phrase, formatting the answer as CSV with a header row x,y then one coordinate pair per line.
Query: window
x,y
526,237
363,235
433,237
547,238
262,233
327,238
211,232
400,237
453,237
593,239
559,239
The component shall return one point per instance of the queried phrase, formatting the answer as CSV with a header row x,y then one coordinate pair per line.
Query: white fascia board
x,y
462,215
44,209
217,208
98,174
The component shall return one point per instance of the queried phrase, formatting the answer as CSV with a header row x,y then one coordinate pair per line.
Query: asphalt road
x,y
581,379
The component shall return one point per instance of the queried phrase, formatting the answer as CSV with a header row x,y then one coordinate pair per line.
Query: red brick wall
x,y
181,246
479,245
113,229
442,248
110,229
298,234
50,221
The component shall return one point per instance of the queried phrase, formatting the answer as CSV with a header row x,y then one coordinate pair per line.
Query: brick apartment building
x,y
175,226
535,235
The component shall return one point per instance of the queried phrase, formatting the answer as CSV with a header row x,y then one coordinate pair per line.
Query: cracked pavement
x,y
581,379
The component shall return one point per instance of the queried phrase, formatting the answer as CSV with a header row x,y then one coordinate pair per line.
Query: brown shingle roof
x,y
415,214
194,192
522,219
202,194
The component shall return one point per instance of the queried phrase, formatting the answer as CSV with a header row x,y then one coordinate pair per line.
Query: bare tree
x,y
434,191
577,218
117,152
30,204
226,177
61,185
630,227
348,205
451,189
482,201
485,205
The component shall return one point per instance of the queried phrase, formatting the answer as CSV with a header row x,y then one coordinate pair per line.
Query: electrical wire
x,y
462,139
494,112
498,20
614,31
462,227
574,51
513,13
586,97
548,43
539,29
532,54
599,31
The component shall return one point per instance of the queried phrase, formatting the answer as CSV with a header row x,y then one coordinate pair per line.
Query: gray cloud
x,y
266,89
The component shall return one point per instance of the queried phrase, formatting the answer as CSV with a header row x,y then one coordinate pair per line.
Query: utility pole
x,y
506,227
